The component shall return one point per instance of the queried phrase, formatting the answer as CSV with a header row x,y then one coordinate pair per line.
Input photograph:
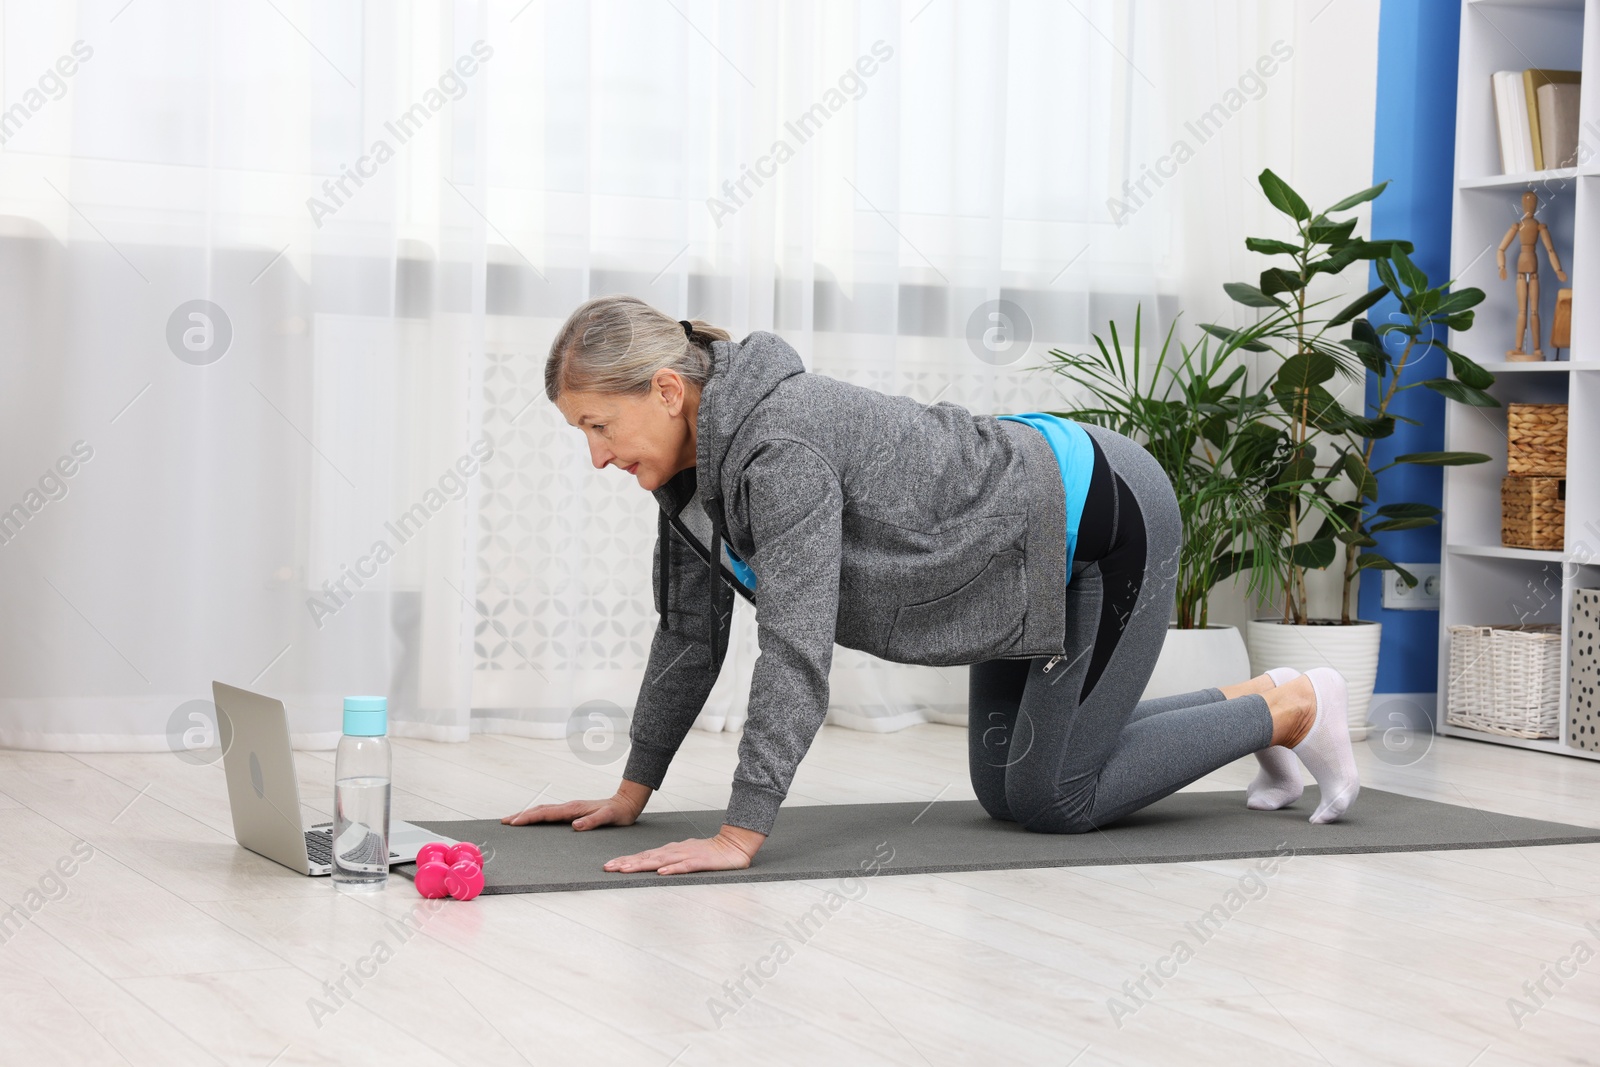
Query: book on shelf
x,y
1558,124
1536,117
1516,145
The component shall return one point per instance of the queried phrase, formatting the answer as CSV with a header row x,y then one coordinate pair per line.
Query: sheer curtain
x,y
279,279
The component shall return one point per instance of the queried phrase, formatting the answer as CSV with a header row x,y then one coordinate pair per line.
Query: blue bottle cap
x,y
366,716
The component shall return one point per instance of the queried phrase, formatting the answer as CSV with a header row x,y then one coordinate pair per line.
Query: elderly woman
x,y
1036,549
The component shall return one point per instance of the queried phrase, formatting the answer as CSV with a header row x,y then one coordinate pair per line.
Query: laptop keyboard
x,y
319,848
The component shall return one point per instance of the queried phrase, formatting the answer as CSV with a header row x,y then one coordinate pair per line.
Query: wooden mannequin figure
x,y
1530,230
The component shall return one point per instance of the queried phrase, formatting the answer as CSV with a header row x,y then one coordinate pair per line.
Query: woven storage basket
x,y
1533,512
1506,679
1536,439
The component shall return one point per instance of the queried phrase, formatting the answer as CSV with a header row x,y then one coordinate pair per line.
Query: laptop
x,y
265,796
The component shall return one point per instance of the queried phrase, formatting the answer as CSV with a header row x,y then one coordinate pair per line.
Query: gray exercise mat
x,y
844,840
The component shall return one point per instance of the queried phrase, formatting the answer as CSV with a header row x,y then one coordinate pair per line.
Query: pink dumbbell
x,y
464,880
453,870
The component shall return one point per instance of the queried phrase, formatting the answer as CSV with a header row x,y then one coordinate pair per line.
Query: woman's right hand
x,y
617,810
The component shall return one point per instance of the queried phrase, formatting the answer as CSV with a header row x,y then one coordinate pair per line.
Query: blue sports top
x,y
1075,455
741,569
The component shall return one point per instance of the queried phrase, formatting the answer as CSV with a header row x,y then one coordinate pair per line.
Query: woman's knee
x,y
996,808
1056,815
1055,821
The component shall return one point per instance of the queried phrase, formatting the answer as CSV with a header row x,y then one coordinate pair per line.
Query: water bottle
x,y
362,768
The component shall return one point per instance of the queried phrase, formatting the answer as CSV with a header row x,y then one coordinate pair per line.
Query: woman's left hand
x,y
731,850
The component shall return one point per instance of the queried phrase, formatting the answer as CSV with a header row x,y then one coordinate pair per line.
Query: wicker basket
x,y
1533,512
1536,439
1506,679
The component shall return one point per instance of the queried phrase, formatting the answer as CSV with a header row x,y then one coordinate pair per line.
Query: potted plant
x,y
1309,415
1222,453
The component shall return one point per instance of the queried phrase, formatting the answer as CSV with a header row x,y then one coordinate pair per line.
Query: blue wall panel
x,y
1414,149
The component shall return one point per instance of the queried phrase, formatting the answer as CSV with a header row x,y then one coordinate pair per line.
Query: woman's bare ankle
x,y
1261,683
1294,709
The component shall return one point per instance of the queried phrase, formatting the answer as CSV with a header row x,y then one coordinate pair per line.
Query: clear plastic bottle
x,y
362,769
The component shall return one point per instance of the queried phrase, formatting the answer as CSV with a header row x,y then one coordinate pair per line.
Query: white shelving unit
x,y
1483,581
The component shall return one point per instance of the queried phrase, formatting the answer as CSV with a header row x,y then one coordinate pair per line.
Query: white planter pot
x,y
1199,659
1351,650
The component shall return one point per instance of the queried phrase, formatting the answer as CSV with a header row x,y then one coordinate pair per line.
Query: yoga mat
x,y
845,840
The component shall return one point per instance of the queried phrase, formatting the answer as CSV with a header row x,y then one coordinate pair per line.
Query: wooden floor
x,y
170,945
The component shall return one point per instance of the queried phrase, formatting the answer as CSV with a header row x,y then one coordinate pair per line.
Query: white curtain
x,y
277,281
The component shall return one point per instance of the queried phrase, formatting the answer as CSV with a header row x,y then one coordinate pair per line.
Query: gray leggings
x,y
1061,752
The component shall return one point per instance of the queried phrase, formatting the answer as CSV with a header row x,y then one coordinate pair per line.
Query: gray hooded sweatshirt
x,y
919,534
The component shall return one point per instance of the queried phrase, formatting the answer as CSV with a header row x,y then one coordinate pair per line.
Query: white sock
x,y
1278,782
1326,750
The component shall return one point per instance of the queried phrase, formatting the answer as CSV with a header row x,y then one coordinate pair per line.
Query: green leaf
x,y
1387,276
1402,524
1461,300
1278,280
1358,306
1373,357
1384,249
1410,273
1357,538
1466,371
1460,321
1285,199
1409,511
1299,468
1369,193
1377,429
1324,412
1255,445
1225,386
1337,466
1228,564
1314,555
1373,561
1442,459
1339,517
1330,233
1271,247
1234,337
1365,482
1300,372
1332,264
1250,296
1466,394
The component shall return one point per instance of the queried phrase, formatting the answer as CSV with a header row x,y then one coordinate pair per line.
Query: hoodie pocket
x,y
981,619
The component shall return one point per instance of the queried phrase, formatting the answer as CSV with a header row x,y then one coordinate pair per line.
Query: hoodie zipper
x,y
705,555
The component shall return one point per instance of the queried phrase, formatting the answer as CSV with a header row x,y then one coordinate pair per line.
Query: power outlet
x,y
1424,596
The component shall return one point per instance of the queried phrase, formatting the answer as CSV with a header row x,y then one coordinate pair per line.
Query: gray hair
x,y
616,344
